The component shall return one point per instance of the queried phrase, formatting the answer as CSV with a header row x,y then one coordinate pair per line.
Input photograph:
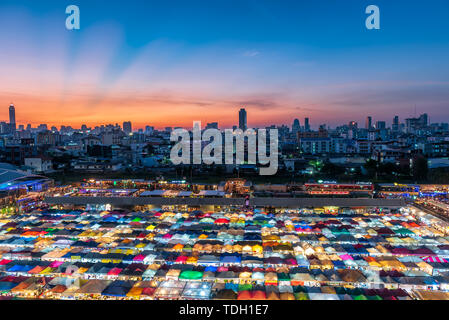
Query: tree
x,y
149,149
420,168
388,168
372,167
219,170
331,169
439,175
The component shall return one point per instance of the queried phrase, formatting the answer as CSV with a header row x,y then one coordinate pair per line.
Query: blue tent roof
x,y
118,289
252,236
338,263
230,259
16,268
232,286
211,269
6,286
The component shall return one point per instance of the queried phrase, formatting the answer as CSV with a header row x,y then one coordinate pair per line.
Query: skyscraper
x,y
353,125
380,125
12,118
368,123
306,124
127,127
149,130
242,119
212,125
296,127
395,126
424,120
413,124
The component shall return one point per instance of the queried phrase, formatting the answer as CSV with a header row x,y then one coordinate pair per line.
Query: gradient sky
x,y
170,62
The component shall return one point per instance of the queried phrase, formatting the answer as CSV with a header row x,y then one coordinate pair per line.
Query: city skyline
x,y
241,123
201,152
203,61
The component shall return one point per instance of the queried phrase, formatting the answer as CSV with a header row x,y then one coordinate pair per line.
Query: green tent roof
x,y
245,287
191,275
403,231
301,296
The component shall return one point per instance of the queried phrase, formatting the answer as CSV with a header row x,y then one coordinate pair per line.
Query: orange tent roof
x,y
244,295
258,295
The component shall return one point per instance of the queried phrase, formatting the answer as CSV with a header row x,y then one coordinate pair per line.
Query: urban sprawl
x,y
100,213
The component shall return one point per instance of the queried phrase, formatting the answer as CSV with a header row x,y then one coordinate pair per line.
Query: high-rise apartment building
x,y
380,125
395,126
306,124
296,127
368,123
12,118
243,119
127,127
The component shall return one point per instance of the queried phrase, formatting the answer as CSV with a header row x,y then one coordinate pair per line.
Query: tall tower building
x,y
127,127
353,124
242,119
12,118
306,124
368,123
380,125
395,126
424,120
296,127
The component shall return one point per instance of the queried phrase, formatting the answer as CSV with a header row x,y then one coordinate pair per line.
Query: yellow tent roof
x,y
134,292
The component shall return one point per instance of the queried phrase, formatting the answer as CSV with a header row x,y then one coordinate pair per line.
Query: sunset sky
x,y
168,63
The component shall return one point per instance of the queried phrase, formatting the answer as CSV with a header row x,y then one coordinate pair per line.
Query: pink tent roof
x,y
181,259
4,261
346,257
148,291
55,264
139,257
434,259
114,272
291,261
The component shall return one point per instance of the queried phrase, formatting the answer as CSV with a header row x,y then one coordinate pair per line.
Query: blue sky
x,y
172,62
